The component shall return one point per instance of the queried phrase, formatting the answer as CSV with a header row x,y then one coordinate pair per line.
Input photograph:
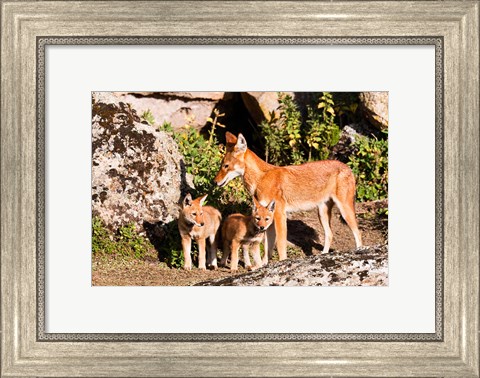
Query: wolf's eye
x,y
267,219
194,214
201,213
257,219
225,166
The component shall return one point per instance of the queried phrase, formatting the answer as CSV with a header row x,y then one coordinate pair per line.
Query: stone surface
x,y
137,172
345,146
260,105
375,107
177,108
367,266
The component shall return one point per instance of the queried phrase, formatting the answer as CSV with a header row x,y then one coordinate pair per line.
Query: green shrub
x,y
283,134
202,159
321,133
102,240
289,140
347,108
370,166
125,243
170,247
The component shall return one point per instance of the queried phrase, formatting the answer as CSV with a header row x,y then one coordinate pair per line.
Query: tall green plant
x,y
283,134
290,140
202,159
370,166
291,122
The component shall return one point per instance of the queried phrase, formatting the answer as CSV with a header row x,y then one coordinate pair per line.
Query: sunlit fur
x,y
319,184
199,223
246,231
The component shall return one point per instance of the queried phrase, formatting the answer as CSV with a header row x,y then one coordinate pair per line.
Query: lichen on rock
x,y
366,266
137,171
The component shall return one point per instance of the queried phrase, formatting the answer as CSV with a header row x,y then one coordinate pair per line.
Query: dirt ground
x,y
305,237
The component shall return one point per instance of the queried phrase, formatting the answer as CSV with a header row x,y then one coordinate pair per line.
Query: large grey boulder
x,y
137,172
177,108
375,107
367,266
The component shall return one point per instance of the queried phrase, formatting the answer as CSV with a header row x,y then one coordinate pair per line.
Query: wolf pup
x,y
242,231
199,222
318,184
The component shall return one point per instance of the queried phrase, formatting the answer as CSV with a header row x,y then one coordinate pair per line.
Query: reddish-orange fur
x,y
319,184
244,231
199,223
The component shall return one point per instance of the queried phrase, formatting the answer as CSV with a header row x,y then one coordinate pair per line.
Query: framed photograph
x,y
127,128
165,194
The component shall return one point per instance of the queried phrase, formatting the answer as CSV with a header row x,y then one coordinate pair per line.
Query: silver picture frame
x,y
28,27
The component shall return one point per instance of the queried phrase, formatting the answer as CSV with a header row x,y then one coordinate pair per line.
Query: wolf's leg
x,y
187,258
225,253
234,257
269,243
325,216
201,254
212,258
281,230
345,200
256,256
246,257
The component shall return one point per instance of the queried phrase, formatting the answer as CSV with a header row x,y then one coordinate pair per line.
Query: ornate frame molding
x,y
451,25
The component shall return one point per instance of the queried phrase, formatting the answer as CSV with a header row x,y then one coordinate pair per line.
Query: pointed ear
x,y
255,204
241,145
187,201
202,200
230,138
271,206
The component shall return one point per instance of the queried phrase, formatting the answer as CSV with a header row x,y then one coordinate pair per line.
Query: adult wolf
x,y
319,184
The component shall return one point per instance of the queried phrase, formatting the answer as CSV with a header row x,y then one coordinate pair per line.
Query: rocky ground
x,y
366,266
342,266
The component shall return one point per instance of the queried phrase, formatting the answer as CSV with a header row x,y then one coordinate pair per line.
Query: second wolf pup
x,y
199,223
242,231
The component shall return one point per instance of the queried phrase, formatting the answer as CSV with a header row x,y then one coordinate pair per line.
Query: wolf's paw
x,y
249,267
222,263
187,267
